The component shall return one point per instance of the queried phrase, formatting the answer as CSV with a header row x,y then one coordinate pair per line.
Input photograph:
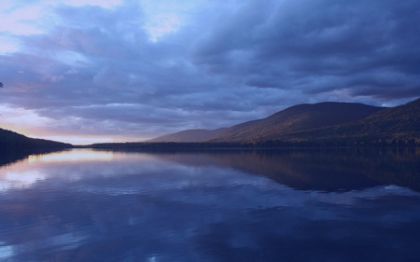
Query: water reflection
x,y
72,156
319,169
230,206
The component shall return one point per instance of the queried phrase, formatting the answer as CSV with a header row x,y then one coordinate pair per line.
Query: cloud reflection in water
x,y
149,207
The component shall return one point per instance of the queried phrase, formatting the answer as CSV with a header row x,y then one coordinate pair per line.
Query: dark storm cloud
x,y
343,45
235,60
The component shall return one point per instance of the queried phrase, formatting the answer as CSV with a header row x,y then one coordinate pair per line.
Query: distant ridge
x,y
399,126
10,140
318,125
295,119
191,135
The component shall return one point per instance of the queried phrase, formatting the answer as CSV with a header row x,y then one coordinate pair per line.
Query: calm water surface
x,y
290,205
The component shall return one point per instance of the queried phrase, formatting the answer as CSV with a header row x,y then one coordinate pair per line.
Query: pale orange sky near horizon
x,y
91,71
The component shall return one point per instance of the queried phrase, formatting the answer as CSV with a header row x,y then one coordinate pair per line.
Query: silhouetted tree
x,y
1,84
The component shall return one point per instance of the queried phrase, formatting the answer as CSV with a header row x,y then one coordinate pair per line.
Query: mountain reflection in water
x,y
289,205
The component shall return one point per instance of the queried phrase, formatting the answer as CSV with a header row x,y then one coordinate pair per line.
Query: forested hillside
x,y
294,119
13,141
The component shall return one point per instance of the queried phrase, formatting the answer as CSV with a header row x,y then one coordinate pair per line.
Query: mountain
x,y
192,135
295,119
398,125
13,141
323,124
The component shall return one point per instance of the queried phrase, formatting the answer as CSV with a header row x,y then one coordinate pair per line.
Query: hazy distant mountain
x,y
13,141
324,124
295,119
192,135
400,124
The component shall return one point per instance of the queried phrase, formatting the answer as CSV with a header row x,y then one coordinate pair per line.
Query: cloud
x,y
315,45
208,57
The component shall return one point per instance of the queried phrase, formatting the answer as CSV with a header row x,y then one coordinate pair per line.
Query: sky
x,y
84,71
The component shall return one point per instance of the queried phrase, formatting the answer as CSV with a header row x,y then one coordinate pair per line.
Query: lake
x,y
223,205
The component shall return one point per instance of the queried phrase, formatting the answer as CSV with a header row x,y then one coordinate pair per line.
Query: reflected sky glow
x,y
24,174
12,177
72,156
119,206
